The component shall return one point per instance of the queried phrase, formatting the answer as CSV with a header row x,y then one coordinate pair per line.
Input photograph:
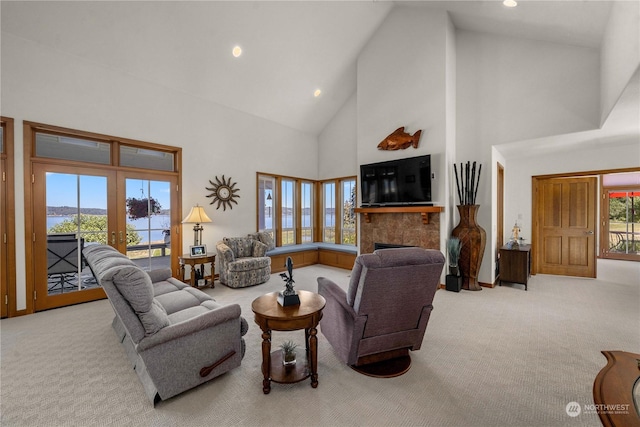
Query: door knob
x,y
589,232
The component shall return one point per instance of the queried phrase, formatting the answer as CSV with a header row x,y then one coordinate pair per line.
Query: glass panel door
x,y
76,216
148,222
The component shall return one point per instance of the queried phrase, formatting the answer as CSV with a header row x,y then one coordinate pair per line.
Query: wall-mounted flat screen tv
x,y
397,182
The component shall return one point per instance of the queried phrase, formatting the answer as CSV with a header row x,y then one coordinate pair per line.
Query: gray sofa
x,y
175,336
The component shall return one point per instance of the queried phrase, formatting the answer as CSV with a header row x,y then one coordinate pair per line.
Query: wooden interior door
x,y
4,311
499,216
7,220
566,215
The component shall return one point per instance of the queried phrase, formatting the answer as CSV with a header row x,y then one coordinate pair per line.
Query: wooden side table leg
x,y
192,277
213,273
313,356
266,361
306,341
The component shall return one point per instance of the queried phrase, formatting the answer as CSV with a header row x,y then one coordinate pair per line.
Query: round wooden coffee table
x,y
270,315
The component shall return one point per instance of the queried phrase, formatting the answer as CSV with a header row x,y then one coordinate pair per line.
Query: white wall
x,y
509,90
448,218
514,89
401,82
620,52
337,155
45,86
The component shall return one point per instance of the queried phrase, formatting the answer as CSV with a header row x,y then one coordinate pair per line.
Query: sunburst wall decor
x,y
223,192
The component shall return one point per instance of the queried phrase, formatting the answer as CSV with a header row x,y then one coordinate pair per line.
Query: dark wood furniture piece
x,y
614,386
515,264
192,261
270,315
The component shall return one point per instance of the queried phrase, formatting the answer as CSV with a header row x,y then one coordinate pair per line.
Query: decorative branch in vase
x,y
473,238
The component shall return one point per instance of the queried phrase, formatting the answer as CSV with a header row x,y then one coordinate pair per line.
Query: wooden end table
x,y
192,261
515,264
270,315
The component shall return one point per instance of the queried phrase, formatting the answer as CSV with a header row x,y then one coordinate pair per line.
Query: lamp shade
x,y
197,215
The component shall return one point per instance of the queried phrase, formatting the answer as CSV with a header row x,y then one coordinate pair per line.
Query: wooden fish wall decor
x,y
399,140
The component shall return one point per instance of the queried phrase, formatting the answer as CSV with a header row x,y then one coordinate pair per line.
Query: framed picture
x,y
199,250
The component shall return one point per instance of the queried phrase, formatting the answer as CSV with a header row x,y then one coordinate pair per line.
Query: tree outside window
x,y
348,212
620,237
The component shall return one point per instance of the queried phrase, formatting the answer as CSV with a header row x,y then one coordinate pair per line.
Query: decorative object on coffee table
x,y
472,236
288,353
223,192
289,295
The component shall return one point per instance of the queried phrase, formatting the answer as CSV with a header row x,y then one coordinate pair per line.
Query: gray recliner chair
x,y
384,313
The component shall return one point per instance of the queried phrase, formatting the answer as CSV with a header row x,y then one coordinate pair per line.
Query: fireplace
x,y
378,245
399,227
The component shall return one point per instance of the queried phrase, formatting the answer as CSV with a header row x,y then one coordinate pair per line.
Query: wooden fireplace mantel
x,y
424,211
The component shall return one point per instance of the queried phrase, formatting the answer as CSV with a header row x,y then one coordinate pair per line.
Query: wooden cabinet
x,y
515,264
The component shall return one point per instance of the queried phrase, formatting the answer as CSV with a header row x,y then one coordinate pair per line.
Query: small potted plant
x,y
454,245
454,279
288,353
167,235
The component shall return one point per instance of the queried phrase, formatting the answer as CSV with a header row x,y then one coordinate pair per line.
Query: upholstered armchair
x,y
243,262
385,310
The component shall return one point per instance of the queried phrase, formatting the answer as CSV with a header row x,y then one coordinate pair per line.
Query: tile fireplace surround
x,y
399,226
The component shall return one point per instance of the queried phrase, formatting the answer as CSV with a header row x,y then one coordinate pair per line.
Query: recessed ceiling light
x,y
317,93
237,51
510,3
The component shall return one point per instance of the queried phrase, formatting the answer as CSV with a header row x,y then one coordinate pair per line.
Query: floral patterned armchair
x,y
243,262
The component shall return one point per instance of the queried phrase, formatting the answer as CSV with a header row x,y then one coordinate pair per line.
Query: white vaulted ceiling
x,y
290,49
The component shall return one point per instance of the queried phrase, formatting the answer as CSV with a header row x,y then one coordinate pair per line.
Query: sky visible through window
x,y
62,190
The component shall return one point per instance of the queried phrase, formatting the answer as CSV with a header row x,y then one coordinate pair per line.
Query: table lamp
x,y
197,216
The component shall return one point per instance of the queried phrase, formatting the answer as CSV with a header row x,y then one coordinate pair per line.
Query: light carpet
x,y
498,357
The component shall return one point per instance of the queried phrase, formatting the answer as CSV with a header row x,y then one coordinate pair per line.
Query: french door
x,y
147,204
77,207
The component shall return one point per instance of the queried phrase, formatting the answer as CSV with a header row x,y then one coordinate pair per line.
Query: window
x,y
288,209
348,215
620,212
296,210
144,158
266,199
306,215
338,211
69,148
329,212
